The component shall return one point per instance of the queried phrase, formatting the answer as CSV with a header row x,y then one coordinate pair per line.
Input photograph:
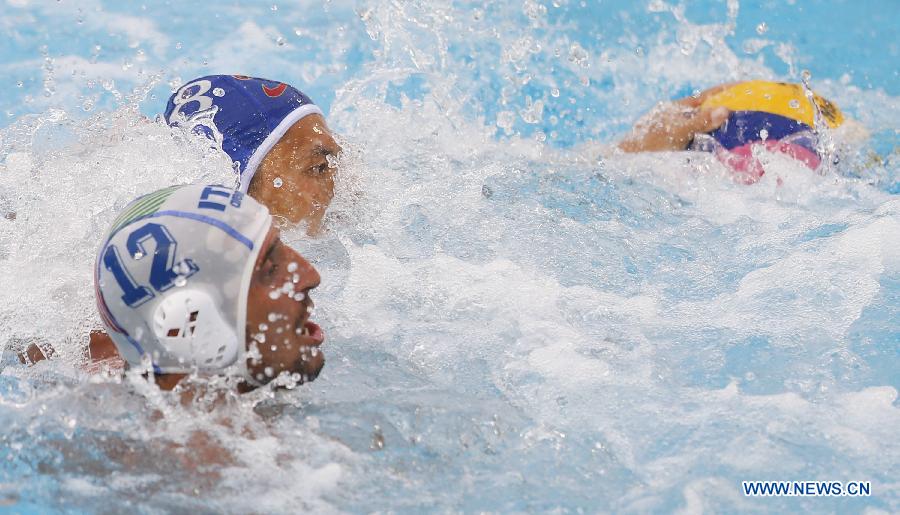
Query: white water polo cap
x,y
173,274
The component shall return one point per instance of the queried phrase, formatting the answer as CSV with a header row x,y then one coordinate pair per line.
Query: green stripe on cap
x,y
144,206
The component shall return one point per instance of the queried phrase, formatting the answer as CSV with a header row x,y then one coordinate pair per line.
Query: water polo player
x,y
194,279
735,121
274,134
278,142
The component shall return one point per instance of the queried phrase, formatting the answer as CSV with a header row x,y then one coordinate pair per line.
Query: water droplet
x,y
794,103
762,28
299,296
298,32
578,55
273,317
219,92
274,7
263,327
657,6
505,119
377,439
180,281
138,255
277,182
275,294
295,278
280,41
269,372
764,134
554,92
19,84
178,45
292,267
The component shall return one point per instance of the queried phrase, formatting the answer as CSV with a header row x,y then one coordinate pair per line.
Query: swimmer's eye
x,y
269,266
319,169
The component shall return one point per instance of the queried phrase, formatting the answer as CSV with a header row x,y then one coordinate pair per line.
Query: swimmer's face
x,y
278,308
296,179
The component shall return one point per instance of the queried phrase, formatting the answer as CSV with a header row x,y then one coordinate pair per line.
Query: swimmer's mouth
x,y
313,333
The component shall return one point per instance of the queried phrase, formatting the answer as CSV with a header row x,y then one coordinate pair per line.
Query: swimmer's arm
x,y
35,353
672,125
103,355
101,349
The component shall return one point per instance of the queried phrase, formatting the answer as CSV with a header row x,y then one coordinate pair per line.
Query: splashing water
x,y
517,319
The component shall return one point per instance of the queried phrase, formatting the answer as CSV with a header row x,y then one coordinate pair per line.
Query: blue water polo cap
x,y
244,116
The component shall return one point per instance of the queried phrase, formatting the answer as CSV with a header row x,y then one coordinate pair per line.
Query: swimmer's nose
x,y
309,276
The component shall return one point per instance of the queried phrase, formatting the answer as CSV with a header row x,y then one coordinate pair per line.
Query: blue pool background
x,y
517,320
324,47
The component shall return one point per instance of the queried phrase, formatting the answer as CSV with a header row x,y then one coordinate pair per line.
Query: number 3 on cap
x,y
182,98
162,273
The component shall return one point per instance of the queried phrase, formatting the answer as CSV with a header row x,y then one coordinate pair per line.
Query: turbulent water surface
x,y
518,319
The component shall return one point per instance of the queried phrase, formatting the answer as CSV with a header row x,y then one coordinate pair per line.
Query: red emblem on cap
x,y
274,92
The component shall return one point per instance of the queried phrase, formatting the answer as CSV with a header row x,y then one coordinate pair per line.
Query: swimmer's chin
x,y
308,370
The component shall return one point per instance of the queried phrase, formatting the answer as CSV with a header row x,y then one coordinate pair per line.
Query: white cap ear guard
x,y
190,328
173,274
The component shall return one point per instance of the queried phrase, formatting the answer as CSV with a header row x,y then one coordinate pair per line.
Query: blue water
x,y
518,320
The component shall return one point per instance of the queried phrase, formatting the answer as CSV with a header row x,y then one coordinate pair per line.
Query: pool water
x,y
517,319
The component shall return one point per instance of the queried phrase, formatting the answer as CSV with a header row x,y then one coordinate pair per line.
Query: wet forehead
x,y
310,137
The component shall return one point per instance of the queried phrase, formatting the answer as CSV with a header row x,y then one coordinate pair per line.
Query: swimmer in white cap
x,y
194,279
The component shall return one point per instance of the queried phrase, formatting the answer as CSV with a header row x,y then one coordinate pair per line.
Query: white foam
x,y
632,333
